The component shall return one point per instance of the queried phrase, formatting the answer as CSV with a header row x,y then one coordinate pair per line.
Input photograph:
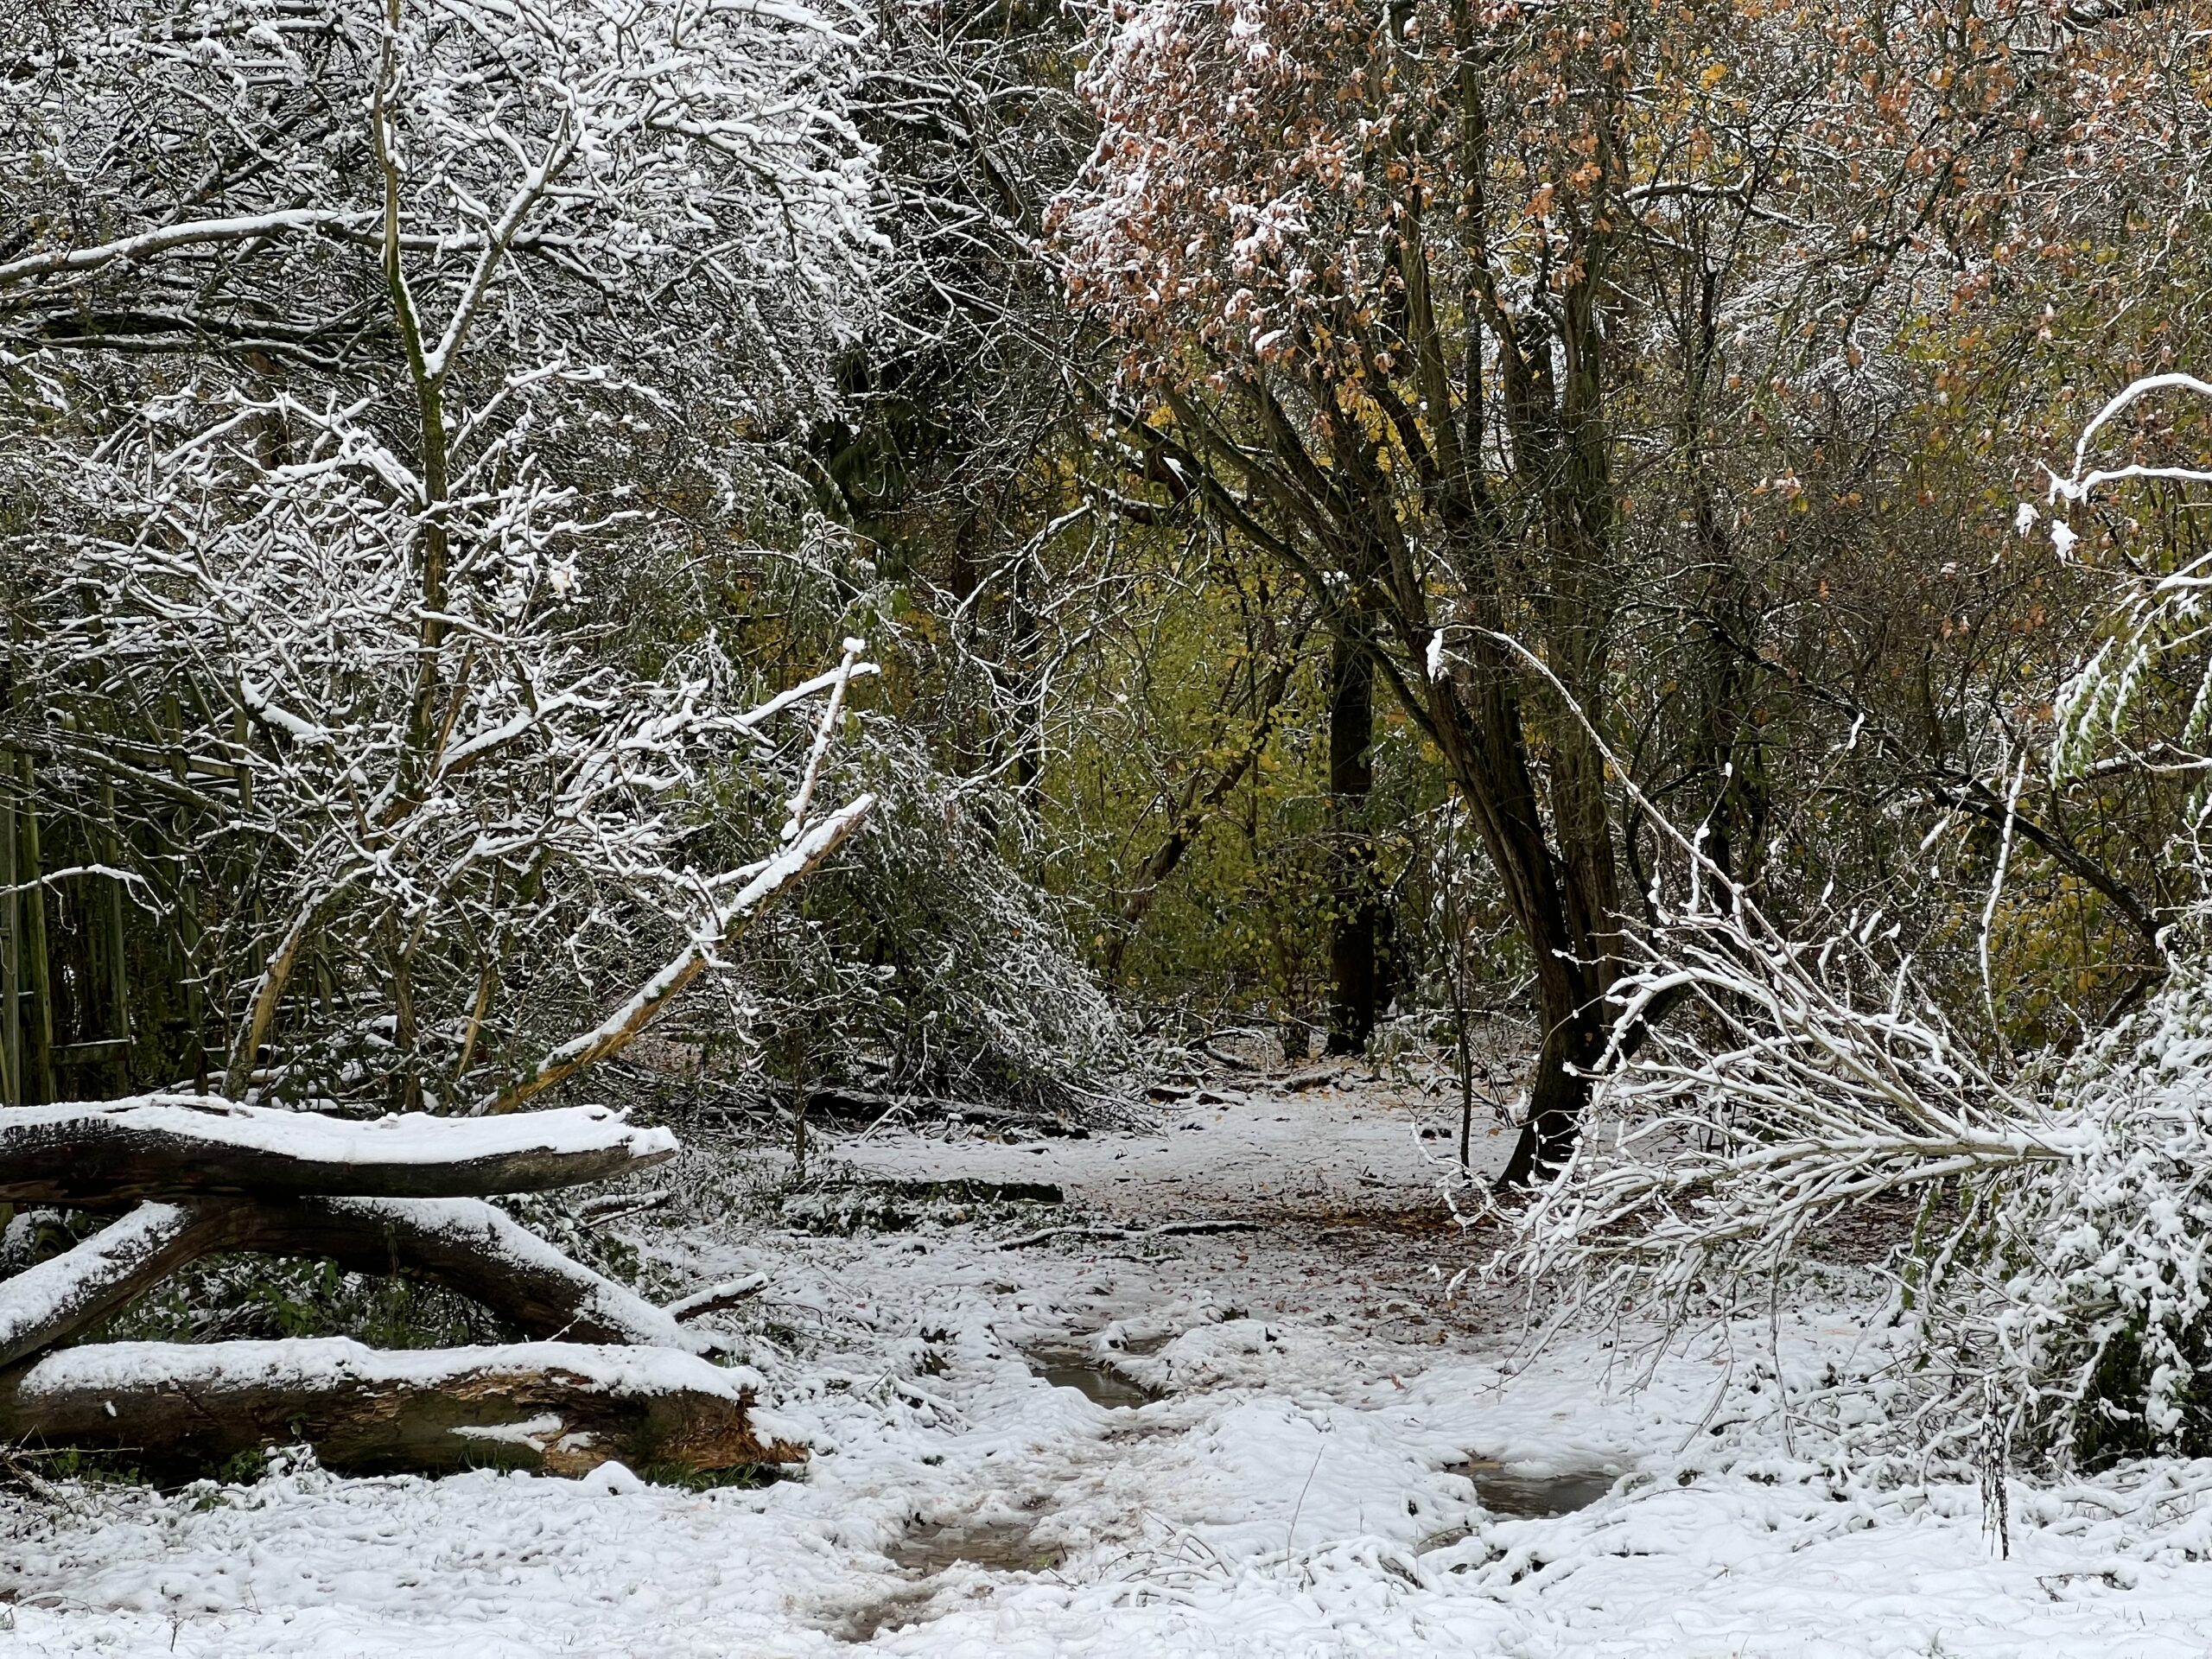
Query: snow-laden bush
x,y
2057,1286
926,961
2099,1317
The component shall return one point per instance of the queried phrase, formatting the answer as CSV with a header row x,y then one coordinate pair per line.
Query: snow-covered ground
x,y
1328,1462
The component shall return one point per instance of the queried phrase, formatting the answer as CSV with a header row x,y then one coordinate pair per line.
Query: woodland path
x,y
1288,1440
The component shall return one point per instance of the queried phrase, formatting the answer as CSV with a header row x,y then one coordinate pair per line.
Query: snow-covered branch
x,y
2055,1282
619,1028
486,310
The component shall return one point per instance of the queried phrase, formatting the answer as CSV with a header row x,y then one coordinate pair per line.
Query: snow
x,y
1322,1143
413,1139
534,1432
31,1300
321,1362
1287,1493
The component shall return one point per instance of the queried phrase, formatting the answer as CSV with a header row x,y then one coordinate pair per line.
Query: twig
x,y
616,1206
1299,1507
715,1298
1092,1229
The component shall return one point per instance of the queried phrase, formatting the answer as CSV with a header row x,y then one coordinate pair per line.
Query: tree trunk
x,y
464,1244
471,1247
102,1155
11,953
557,1407
1558,1091
1478,721
1351,778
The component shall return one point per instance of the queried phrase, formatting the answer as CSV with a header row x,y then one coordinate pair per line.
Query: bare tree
x,y
376,363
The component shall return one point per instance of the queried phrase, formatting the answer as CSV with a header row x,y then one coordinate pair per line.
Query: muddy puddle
x,y
894,1612
999,1546
1533,1497
1073,1369
933,1547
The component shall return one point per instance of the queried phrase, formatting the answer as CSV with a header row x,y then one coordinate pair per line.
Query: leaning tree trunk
x,y
1477,717
1558,1088
464,1244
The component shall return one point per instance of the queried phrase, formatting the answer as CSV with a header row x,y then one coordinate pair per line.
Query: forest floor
x,y
1309,1436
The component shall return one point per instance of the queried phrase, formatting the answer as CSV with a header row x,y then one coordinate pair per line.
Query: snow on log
x,y
464,1244
554,1407
476,1248
176,1146
42,1305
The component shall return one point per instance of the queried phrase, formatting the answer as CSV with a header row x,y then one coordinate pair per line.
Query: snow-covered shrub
x,y
2101,1311
2055,1287
924,961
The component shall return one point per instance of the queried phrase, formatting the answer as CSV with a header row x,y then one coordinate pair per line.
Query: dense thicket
x,y
1371,515
422,634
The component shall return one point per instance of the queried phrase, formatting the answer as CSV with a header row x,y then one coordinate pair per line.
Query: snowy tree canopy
x,y
372,365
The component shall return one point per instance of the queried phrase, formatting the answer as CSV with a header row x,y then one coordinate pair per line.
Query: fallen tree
x,y
108,1152
555,1407
614,1377
463,1244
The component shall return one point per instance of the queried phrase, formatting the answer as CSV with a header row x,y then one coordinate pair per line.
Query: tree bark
x,y
99,1156
1351,780
556,1407
462,1244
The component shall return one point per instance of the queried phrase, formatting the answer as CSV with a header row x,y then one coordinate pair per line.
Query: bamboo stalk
x,y
38,1069
118,968
11,1031
188,924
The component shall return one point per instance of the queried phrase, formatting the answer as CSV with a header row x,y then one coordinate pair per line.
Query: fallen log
x,y
107,1154
844,1105
478,1249
464,1244
556,1407
1107,1229
43,1304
